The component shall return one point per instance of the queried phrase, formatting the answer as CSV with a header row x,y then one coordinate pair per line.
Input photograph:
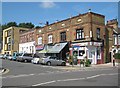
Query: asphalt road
x,y
27,75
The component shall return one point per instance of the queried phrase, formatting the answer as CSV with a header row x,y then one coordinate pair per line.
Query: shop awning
x,y
57,48
43,51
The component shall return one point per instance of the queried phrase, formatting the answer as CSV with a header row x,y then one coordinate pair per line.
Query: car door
x,y
59,61
52,60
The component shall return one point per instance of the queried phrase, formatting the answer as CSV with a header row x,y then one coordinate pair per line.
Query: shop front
x,y
90,50
58,50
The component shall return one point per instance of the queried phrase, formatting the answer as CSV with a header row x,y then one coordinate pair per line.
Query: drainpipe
x,y
91,31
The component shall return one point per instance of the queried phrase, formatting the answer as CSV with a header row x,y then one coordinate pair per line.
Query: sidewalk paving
x,y
98,66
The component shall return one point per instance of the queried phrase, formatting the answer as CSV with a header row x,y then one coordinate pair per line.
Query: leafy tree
x,y
38,27
12,24
26,25
4,26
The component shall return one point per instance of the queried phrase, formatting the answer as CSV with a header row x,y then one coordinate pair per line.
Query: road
x,y
27,75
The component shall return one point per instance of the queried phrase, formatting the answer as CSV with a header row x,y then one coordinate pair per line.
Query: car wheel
x,y
63,64
25,61
49,63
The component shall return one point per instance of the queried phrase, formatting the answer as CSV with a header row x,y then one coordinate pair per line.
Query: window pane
x,y
79,34
98,32
40,40
63,36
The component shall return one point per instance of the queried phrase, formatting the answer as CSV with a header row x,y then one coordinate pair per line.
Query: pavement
x,y
98,66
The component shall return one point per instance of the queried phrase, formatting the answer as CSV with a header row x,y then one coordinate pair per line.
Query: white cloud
x,y
47,4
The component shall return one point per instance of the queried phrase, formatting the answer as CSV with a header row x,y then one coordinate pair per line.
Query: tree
x,y
10,24
4,26
38,27
26,25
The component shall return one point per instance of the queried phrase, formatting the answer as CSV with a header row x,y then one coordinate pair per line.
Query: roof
x,y
13,27
117,31
73,18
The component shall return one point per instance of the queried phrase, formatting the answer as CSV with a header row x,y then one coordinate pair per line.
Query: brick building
x,y
113,39
27,41
83,34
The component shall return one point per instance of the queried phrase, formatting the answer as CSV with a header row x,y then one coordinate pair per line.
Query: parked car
x,y
25,57
53,61
15,55
37,59
1,56
5,56
9,57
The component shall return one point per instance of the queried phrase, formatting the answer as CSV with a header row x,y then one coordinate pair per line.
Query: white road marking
x,y
71,79
44,83
93,76
15,76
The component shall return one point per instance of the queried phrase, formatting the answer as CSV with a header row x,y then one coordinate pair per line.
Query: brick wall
x,y
70,26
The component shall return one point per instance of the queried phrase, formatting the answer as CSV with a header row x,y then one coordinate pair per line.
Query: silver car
x,y
9,57
53,61
25,57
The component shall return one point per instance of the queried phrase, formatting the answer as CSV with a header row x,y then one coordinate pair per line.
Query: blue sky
x,y
40,12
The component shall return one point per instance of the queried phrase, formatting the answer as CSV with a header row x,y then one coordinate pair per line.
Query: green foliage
x,y
9,25
87,63
26,25
117,56
82,62
12,24
38,27
70,60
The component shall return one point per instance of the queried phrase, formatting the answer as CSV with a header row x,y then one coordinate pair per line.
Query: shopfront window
x,y
91,54
75,53
81,52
